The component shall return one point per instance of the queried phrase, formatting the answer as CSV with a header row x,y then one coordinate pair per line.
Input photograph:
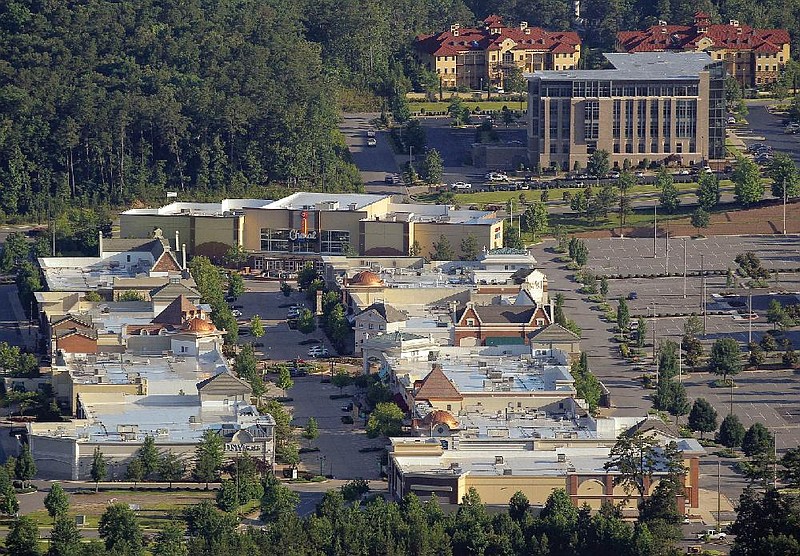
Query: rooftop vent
x,y
498,460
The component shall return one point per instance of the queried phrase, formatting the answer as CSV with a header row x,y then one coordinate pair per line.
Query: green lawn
x,y
473,105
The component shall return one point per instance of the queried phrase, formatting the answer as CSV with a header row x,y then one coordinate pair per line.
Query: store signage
x,y
298,235
303,234
231,447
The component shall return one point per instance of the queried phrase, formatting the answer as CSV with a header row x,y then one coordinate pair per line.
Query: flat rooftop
x,y
345,201
441,214
510,373
638,66
84,273
224,208
171,409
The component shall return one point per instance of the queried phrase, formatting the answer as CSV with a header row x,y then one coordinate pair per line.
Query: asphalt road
x,y
764,127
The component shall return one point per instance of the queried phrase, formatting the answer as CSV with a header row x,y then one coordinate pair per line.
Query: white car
x,y
711,534
639,174
684,172
318,351
371,142
496,176
461,185
236,313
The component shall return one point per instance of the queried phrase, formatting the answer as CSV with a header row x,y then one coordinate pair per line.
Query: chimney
x,y
183,256
100,243
454,29
177,242
523,25
734,22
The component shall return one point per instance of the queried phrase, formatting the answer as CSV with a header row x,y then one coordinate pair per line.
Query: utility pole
x,y
654,334
666,251
719,475
749,319
655,234
680,361
684,268
784,206
703,291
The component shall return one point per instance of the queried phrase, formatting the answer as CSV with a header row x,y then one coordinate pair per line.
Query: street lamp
x,y
321,463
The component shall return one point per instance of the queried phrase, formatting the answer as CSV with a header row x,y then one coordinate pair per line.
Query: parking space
x,y
763,126
265,299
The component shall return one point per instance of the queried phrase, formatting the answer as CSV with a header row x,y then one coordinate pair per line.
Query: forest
x,y
107,104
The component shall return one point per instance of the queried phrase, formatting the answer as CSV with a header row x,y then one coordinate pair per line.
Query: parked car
x,y
461,185
237,313
229,299
392,178
639,174
613,175
372,142
318,351
731,120
496,176
633,295
347,407
370,133
347,420
712,534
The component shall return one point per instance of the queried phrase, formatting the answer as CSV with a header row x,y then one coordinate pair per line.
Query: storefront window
x,y
335,241
274,240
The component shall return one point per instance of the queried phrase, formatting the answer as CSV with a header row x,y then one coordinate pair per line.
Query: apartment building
x,y
481,57
754,56
651,106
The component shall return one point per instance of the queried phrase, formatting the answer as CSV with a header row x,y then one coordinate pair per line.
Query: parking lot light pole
x,y
784,206
655,230
684,268
749,320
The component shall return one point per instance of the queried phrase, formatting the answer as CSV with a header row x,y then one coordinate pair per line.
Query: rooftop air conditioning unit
x,y
562,458
508,472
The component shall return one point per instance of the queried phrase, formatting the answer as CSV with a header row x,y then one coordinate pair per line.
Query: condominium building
x,y
651,106
483,56
755,57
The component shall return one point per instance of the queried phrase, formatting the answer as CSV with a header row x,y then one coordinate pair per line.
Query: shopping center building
x,y
284,235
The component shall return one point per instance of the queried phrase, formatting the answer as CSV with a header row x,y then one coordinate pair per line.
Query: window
x,y
617,118
653,147
591,117
371,326
553,147
380,327
628,119
470,322
274,240
666,120
335,241
449,407
616,148
653,118
641,118
685,118
553,113
184,349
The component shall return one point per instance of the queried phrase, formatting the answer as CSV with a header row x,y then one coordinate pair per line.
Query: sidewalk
x,y
27,334
708,506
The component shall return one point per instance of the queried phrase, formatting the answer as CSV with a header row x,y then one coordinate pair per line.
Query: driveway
x,y
373,162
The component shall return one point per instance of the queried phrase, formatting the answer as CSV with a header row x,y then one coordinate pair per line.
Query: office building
x,y
652,106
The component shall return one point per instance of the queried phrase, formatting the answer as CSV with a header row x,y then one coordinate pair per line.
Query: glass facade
x,y
591,123
284,240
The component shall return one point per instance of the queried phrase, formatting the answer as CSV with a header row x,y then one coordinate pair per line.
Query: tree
x,y
415,250
134,472
625,182
235,256
23,538
227,496
148,455
791,467
15,251
284,380
598,164
65,539
748,188
679,403
578,251
579,203
731,432
700,219
433,167
534,219
458,111
783,172
235,284
56,501
669,199
311,430
518,506
385,420
256,326
641,332
340,379
442,250
170,468
756,358
306,323
768,343
757,440
286,289
511,238
469,248
708,193
208,458
604,286
623,315
131,295
766,523
702,417
514,81
306,275
278,501
776,314
733,93
99,470
25,467
635,458
119,528
169,541
726,358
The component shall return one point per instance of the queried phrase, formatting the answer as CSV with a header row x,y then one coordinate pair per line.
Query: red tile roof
x,y
436,386
686,37
447,43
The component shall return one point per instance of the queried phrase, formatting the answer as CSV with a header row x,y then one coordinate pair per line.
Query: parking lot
x,y
265,299
763,126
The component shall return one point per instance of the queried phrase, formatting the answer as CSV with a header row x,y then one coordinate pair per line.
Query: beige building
x,y
755,57
208,229
285,234
652,106
482,57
